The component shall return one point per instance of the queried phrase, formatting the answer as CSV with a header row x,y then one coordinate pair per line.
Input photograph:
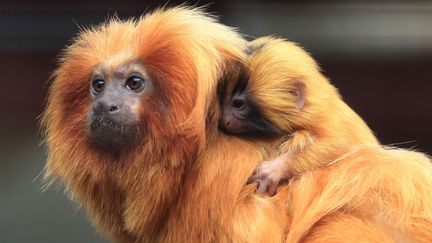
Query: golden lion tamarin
x,y
354,189
131,125
281,92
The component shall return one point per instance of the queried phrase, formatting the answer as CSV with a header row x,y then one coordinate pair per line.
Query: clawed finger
x,y
262,186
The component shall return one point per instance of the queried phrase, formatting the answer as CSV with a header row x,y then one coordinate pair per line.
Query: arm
x,y
272,172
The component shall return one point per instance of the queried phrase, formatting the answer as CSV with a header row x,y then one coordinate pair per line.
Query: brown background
x,y
379,54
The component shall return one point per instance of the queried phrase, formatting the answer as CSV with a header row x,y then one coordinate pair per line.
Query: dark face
x,y
241,114
117,94
235,114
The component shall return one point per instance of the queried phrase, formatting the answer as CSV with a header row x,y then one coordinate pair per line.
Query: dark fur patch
x,y
241,84
262,126
250,50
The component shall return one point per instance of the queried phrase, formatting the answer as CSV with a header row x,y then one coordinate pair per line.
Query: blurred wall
x,y
379,54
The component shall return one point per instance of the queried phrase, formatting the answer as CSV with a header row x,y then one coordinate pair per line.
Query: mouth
x,y
108,133
105,123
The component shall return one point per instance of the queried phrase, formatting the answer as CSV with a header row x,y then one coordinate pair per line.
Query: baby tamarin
x,y
355,190
281,92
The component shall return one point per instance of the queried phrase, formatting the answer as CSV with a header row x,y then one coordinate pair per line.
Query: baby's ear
x,y
300,94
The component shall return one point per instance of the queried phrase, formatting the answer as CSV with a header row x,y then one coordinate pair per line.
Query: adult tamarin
x,y
131,126
351,180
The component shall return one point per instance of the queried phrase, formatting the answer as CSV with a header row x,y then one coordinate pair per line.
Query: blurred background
x,y
378,53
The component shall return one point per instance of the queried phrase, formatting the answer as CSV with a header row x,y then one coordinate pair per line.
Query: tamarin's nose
x,y
102,107
113,108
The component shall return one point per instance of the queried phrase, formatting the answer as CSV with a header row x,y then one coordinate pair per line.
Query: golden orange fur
x,y
348,188
184,181
372,194
325,127
173,186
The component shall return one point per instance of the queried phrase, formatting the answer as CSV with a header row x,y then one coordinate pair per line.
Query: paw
x,y
268,178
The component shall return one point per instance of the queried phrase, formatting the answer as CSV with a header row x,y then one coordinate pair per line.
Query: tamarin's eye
x,y
134,83
98,85
239,104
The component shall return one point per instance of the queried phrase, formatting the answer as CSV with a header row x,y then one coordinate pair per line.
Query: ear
x,y
300,94
250,50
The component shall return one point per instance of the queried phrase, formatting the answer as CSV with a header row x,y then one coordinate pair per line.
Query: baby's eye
x,y
239,104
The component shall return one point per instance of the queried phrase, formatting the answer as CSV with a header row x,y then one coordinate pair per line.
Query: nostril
x,y
113,108
102,107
